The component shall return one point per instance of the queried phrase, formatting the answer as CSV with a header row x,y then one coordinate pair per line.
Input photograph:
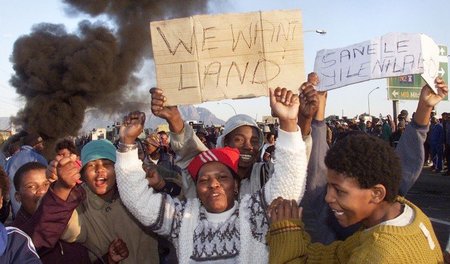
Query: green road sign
x,y
408,87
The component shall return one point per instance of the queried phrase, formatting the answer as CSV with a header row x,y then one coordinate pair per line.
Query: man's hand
x,y
285,105
68,173
158,106
154,179
170,113
322,103
117,251
309,102
51,173
429,98
132,126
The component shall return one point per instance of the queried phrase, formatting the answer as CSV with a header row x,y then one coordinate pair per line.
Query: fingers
x,y
68,171
155,91
309,94
441,86
134,117
158,100
119,247
51,172
282,95
282,209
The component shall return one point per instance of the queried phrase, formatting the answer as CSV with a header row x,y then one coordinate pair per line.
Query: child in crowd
x,y
364,175
31,185
15,245
318,220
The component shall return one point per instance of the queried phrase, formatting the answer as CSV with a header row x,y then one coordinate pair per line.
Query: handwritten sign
x,y
205,58
390,55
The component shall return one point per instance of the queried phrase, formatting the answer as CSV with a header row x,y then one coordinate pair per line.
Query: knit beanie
x,y
98,149
238,121
227,156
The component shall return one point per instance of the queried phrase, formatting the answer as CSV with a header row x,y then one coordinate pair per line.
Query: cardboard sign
x,y
205,58
391,55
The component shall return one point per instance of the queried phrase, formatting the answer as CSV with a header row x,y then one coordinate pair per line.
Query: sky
x,y
346,22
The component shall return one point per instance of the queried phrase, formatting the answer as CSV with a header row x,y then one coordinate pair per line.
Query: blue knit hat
x,y
98,149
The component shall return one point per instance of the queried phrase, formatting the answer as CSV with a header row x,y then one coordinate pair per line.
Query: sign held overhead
x,y
213,57
390,55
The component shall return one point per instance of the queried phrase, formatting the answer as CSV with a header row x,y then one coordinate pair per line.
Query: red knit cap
x,y
227,156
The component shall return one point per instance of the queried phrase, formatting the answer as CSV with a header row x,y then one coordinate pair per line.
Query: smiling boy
x,y
364,175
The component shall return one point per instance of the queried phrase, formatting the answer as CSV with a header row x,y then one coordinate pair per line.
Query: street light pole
x,y
318,31
235,113
368,97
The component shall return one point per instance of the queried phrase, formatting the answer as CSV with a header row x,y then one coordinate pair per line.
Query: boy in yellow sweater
x,y
363,178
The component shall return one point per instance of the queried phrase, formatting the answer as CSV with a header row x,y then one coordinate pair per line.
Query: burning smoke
x,y
61,74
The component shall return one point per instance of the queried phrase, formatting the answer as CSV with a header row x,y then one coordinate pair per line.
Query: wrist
x,y
423,114
176,123
305,125
289,125
110,260
124,147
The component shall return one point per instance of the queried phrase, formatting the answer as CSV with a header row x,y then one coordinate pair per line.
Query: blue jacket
x,y
16,246
437,135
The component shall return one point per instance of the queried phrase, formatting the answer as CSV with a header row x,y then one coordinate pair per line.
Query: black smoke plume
x,y
61,74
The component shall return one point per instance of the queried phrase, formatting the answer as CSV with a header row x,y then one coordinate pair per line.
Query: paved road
x,y
432,194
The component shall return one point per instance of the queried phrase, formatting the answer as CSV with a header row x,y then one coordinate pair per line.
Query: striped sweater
x,y
234,236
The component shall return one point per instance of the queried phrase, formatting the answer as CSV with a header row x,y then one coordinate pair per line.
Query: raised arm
x,y
51,220
307,110
290,167
315,209
182,137
152,209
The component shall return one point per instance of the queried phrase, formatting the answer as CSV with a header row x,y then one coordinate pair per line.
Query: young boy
x,y
97,215
364,175
15,245
31,185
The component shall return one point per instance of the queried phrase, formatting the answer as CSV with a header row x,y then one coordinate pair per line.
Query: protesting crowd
x,y
310,192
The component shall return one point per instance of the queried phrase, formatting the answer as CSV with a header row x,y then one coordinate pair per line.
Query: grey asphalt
x,y
431,193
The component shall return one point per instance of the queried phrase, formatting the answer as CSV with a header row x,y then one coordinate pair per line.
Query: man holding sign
x,y
241,131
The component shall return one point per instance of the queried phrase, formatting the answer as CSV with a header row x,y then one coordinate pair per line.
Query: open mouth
x,y
337,213
100,181
245,157
215,195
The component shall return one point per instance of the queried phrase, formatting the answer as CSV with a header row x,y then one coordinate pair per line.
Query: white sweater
x,y
234,236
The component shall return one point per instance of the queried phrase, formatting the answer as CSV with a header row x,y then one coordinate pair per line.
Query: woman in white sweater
x,y
215,227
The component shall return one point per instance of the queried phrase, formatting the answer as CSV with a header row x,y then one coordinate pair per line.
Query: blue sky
x,y
346,22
